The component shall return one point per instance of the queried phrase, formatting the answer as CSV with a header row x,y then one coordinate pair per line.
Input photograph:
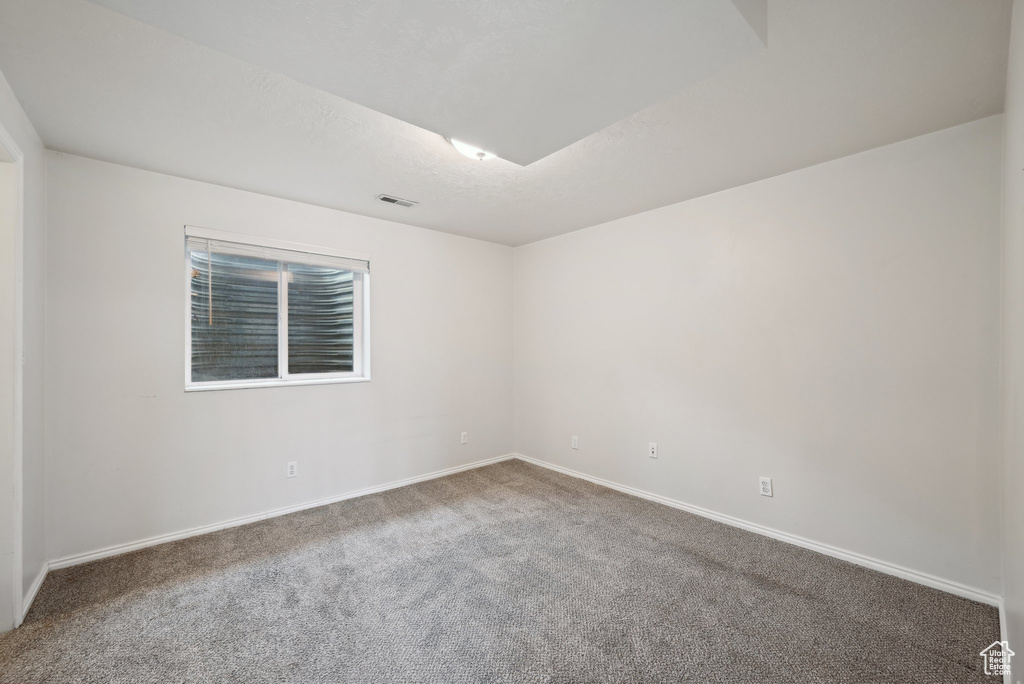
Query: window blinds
x,y
201,244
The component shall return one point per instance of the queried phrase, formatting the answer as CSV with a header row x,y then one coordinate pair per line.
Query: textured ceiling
x,y
837,77
521,80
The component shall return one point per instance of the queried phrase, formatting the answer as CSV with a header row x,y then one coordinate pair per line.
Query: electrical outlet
x,y
575,442
652,450
766,486
464,438
293,468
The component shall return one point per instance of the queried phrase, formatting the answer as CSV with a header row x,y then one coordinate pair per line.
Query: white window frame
x,y
360,318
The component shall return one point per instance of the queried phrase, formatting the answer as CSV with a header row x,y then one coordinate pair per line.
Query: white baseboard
x,y
873,563
30,595
1007,676
119,549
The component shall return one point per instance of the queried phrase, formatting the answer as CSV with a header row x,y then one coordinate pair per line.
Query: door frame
x,y
14,153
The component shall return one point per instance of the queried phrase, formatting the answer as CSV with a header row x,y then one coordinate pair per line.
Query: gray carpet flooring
x,y
509,573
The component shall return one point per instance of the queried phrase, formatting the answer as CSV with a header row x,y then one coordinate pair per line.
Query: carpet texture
x,y
509,573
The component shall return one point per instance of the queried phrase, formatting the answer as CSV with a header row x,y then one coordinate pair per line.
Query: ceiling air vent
x,y
397,200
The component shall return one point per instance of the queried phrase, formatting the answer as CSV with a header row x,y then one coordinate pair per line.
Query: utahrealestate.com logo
x,y
997,658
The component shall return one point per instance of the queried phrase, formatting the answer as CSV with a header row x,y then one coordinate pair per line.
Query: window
x,y
263,313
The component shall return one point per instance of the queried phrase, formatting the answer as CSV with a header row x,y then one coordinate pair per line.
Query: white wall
x,y
30,308
130,455
835,328
1013,340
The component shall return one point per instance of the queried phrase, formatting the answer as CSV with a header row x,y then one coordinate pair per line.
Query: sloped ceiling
x,y
836,77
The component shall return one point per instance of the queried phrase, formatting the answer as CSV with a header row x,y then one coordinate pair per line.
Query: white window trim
x,y
361,319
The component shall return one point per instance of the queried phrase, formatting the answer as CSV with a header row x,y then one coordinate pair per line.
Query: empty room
x,y
449,341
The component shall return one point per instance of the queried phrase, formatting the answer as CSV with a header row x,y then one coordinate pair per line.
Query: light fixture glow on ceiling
x,y
470,151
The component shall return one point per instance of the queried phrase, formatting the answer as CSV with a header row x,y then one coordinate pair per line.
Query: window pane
x,y
320,320
234,318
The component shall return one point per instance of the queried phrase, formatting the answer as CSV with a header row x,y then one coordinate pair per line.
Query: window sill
x,y
275,382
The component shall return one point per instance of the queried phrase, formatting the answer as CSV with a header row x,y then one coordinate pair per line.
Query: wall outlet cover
x,y
766,486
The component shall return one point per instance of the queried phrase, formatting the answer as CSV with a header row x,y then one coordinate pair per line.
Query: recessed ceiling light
x,y
470,151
